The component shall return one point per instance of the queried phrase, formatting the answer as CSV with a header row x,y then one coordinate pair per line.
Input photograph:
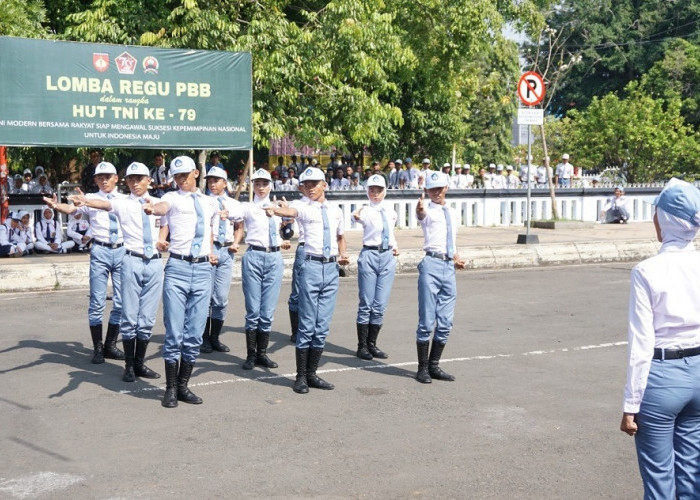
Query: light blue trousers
x,y
293,302
142,282
186,296
668,438
437,296
221,283
103,262
261,273
375,277
318,288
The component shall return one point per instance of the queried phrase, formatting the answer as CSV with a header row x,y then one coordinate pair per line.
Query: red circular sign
x,y
531,88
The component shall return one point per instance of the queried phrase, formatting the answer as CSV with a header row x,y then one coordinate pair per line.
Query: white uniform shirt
x,y
371,221
311,218
435,228
295,204
257,223
488,180
288,185
523,173
615,202
48,231
99,219
512,181
128,211
45,189
339,184
181,220
664,311
75,228
459,181
498,181
541,175
565,170
235,213
5,238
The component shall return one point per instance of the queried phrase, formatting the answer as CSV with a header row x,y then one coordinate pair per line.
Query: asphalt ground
x,y
539,356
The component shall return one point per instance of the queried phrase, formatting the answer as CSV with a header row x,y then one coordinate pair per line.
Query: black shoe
x,y
129,353
362,352
250,343
110,350
423,376
216,325
170,396
372,342
183,378
294,322
140,369
261,359
206,344
98,356
300,384
433,369
311,378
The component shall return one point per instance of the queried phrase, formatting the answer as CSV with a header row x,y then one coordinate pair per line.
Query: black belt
x,y
141,256
108,245
225,244
660,353
301,244
440,256
189,258
264,249
321,259
380,249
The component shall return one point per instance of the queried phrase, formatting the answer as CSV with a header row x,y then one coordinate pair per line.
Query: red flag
x,y
4,186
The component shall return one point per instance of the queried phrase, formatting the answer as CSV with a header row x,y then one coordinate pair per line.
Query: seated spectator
x,y
28,184
25,238
42,186
615,209
79,231
12,224
49,235
16,187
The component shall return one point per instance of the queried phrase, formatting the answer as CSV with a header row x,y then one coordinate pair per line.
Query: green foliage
x,y
22,18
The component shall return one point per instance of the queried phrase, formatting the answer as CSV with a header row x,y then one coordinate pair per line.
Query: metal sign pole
x,y
529,184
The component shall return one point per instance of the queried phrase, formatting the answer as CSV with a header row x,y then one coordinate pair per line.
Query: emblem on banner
x,y
150,64
126,63
100,61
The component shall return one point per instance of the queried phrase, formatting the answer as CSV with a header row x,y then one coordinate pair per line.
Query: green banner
x,y
82,94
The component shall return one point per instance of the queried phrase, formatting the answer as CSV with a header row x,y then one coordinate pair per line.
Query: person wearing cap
x,y
526,173
459,180
615,208
187,216
376,267
661,404
299,254
469,178
437,285
142,267
411,175
512,181
261,270
12,225
325,249
498,180
106,256
564,172
16,187
225,248
424,170
28,183
78,230
543,173
87,176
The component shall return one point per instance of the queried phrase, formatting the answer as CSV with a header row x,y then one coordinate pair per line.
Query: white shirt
x,y
541,174
523,173
565,170
48,231
498,181
5,237
128,211
459,181
45,189
235,213
257,223
435,228
339,184
311,218
76,228
615,202
99,219
512,181
371,221
181,219
295,204
288,185
664,311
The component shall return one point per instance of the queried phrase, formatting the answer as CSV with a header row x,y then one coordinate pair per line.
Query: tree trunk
x,y
550,180
201,165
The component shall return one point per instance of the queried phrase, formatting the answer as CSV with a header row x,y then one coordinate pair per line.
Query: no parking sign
x,y
531,88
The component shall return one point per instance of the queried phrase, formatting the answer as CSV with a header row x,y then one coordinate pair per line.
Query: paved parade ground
x,y
539,357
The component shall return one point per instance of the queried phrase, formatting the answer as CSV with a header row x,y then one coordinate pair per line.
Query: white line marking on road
x,y
37,484
385,366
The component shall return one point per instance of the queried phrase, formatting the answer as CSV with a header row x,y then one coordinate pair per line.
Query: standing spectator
x,y
355,184
447,170
280,168
661,406
498,181
339,182
543,174
289,183
214,161
512,180
615,209
564,172
87,177
294,165
469,182
29,184
49,235
459,180
412,173
78,230
488,176
394,170
160,173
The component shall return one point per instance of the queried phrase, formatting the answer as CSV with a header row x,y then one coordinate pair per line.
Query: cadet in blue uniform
x,y
142,268
375,267
261,271
437,286
293,302
226,250
106,256
661,406
189,216
318,278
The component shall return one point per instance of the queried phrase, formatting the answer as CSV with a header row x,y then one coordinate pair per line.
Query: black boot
x,y
300,384
311,378
294,321
423,376
98,356
250,340
129,350
433,368
140,369
183,377
170,397
372,342
261,359
206,344
216,325
110,350
362,352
